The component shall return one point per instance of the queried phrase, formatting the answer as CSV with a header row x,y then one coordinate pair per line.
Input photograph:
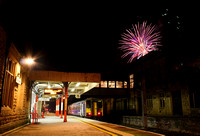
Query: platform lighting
x,y
77,84
73,89
48,86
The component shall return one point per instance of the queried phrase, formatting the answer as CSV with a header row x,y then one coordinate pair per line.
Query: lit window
x,y
125,84
119,84
97,86
111,84
131,77
103,84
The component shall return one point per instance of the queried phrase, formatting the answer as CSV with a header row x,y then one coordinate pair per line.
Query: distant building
x,y
172,93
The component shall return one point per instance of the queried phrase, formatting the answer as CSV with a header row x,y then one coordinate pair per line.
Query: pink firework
x,y
144,40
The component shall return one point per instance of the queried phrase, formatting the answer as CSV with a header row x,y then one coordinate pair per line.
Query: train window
x,y
99,104
88,104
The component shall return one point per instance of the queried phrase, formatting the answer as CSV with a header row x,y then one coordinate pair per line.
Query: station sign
x,y
43,99
18,80
53,91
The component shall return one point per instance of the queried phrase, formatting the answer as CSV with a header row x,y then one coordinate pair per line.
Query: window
x,y
119,84
195,99
103,84
111,84
131,77
99,104
149,102
97,86
9,83
125,84
162,100
88,104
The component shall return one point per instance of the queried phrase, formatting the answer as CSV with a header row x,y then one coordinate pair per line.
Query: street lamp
x,y
29,61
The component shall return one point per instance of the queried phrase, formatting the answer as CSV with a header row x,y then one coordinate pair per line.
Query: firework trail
x,y
143,40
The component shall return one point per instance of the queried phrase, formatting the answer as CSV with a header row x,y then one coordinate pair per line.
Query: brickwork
x,y
16,112
156,109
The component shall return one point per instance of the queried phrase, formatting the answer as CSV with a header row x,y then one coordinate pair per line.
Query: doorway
x,y
177,103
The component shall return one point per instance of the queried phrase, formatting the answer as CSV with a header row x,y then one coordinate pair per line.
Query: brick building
x,y
15,93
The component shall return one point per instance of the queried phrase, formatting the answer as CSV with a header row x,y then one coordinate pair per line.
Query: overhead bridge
x,y
65,76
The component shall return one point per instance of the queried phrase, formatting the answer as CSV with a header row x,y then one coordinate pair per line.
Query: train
x,y
90,107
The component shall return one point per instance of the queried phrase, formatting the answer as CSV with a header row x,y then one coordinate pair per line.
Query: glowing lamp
x,y
29,61
98,113
73,89
77,84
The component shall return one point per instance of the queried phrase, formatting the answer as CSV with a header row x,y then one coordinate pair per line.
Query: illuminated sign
x,y
53,91
43,99
18,80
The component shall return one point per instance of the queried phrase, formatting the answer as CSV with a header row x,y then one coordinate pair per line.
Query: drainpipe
x,y
4,72
143,95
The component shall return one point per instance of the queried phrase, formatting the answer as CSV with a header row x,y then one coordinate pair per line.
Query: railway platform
x,y
76,126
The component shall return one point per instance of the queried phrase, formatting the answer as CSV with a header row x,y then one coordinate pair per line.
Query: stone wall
x,y
156,109
177,124
17,113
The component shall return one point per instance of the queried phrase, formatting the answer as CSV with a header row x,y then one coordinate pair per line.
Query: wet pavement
x,y
76,126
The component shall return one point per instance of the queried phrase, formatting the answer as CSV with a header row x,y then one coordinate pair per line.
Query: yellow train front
x,y
91,107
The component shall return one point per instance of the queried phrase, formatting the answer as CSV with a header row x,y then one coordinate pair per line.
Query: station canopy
x,y
51,84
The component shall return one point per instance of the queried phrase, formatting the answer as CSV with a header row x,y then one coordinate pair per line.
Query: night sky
x,y
84,37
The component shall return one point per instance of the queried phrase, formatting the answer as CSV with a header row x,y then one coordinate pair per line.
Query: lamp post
x,y
28,63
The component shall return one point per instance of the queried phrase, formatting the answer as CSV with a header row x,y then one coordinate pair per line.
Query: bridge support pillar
x,y
61,109
65,110
57,107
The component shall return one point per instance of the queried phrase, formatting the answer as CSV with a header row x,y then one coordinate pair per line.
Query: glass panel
x,y
111,84
131,80
119,84
125,84
103,84
88,104
97,86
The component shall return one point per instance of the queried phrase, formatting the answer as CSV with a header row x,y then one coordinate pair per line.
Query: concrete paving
x,y
54,126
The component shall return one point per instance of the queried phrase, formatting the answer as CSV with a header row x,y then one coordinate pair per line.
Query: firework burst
x,y
143,40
